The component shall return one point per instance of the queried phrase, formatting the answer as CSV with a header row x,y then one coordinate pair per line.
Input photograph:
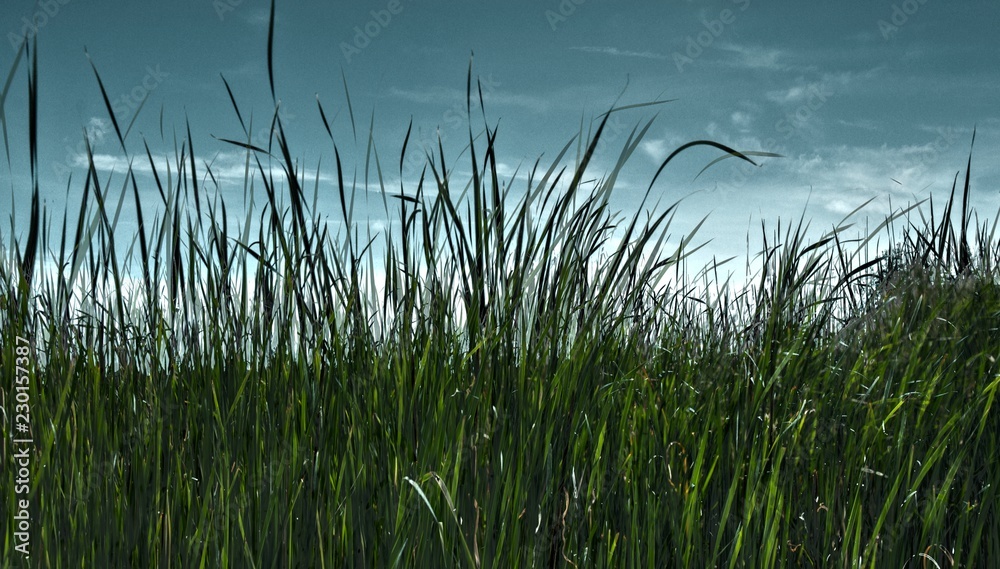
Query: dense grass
x,y
522,392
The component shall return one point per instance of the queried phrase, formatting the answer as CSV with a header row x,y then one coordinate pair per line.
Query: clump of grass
x,y
520,393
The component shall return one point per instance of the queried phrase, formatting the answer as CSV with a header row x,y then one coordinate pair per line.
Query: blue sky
x,y
865,100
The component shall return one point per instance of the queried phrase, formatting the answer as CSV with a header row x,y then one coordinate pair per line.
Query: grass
x,y
522,392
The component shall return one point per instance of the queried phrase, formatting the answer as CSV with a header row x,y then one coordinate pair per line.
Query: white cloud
x,y
228,166
658,149
260,17
614,51
790,95
756,57
424,96
741,120
827,85
445,95
655,149
96,129
863,124
531,102
250,68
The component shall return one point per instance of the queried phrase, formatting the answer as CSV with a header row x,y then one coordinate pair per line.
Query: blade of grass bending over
x,y
107,101
3,95
746,153
636,106
245,145
684,147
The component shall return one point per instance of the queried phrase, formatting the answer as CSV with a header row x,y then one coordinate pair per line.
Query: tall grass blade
x,y
107,101
3,96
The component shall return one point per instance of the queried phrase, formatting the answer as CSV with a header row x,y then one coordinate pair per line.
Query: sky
x,y
867,102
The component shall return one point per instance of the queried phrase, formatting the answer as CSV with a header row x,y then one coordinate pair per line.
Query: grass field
x,y
520,393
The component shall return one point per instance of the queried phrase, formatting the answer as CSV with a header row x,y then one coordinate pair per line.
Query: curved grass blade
x,y
684,147
747,153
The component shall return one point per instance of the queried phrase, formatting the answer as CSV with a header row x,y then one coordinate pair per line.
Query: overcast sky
x,y
871,99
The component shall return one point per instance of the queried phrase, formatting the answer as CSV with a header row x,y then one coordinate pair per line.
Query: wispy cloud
x,y
741,120
757,57
439,95
228,166
864,124
825,86
614,51
844,177
260,17
97,128
423,96
657,149
531,102
249,68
